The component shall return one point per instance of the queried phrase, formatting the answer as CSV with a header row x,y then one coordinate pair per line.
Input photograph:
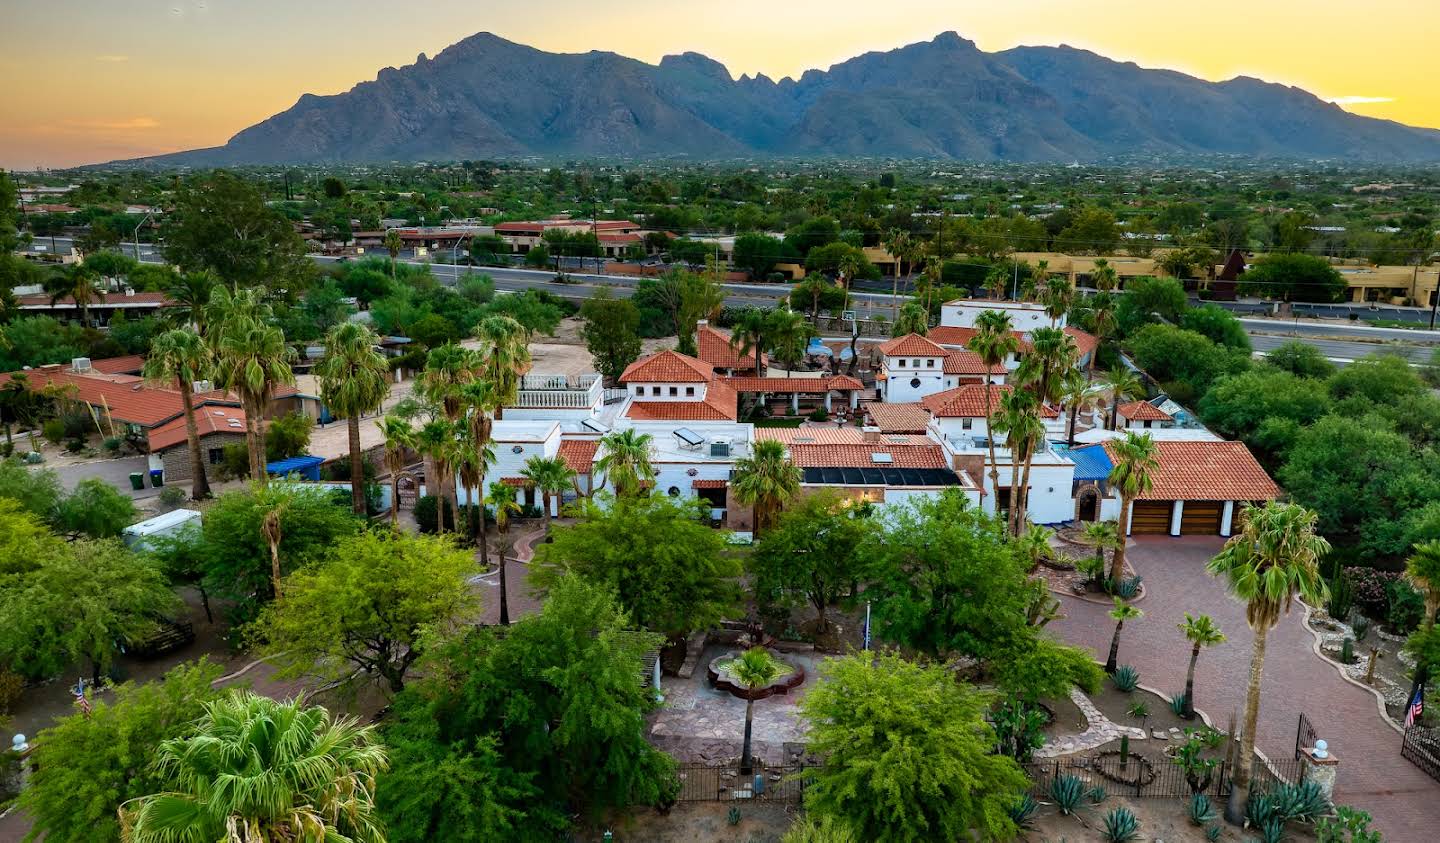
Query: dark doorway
x,y
1089,506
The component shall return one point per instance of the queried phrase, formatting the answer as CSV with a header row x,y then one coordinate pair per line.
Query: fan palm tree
x,y
472,460
1120,614
436,441
1423,569
626,463
754,669
750,333
994,342
1102,310
897,243
789,336
912,320
1131,477
272,501
480,399
354,380
551,477
765,480
813,286
76,282
996,279
848,267
253,359
1053,353
257,769
502,497
191,293
398,437
1074,390
181,358
1057,296
1201,632
1103,536
1271,561
393,245
1024,431
1121,383
447,368
504,357
1103,275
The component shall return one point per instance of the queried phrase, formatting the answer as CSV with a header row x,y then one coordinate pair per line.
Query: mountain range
x,y
486,97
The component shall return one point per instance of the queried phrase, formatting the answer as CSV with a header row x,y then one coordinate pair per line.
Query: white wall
x,y
682,391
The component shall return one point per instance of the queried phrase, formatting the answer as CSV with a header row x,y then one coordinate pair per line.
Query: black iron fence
x,y
1155,776
699,783
1421,747
1305,735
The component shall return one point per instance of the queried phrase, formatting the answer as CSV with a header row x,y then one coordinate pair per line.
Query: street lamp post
x,y
149,216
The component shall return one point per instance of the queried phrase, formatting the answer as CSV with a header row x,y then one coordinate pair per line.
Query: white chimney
x,y
700,323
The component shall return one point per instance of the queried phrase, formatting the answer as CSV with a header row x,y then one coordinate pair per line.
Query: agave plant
x,y
1067,791
1096,794
1303,802
1121,826
1199,809
1022,813
1126,678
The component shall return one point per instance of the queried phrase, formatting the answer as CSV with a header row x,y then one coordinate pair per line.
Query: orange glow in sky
x,y
95,80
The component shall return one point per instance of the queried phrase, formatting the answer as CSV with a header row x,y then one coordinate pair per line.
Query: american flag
x,y
80,700
1416,707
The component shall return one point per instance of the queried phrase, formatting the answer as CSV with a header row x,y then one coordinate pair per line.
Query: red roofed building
x,y
1142,414
911,367
670,386
135,305
715,348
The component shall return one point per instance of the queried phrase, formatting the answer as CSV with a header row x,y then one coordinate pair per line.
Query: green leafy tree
x,y
220,222
1218,324
95,509
85,767
354,380
908,754
766,480
1184,362
1148,300
670,571
260,769
1294,277
182,358
1093,231
36,490
611,333
1378,378
1201,632
757,254
84,603
813,554
368,606
1268,564
288,436
1300,358
24,539
1238,404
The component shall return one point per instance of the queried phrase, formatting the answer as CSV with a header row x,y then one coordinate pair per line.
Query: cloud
x,y
128,124
1360,100
112,59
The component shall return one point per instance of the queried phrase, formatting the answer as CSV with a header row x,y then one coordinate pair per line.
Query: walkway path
x,y
517,575
1373,776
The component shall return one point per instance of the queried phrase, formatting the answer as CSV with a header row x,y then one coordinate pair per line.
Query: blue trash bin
x,y
157,477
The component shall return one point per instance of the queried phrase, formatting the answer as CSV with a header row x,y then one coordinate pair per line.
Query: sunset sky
x,y
94,80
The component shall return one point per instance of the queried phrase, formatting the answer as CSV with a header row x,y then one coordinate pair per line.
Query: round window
x,y
914,383
673,491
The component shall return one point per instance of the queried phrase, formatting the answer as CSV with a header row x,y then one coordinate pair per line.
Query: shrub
x,y
75,446
1370,589
77,424
172,496
1139,711
235,462
1406,609
288,436
1121,826
1125,678
1128,588
1199,809
1302,802
1022,813
1349,825
1019,730
53,430
427,508
1067,791
819,415
1177,704
112,445
1096,794
12,685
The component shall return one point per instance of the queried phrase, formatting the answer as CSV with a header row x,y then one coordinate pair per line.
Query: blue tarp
x,y
307,467
1091,462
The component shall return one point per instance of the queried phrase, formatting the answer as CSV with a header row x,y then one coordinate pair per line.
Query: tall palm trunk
x,y
395,499
746,763
990,439
432,489
504,591
1070,433
199,484
545,504
1024,507
255,439
1110,660
1240,790
1015,491
480,530
1117,559
895,293
357,468
1187,711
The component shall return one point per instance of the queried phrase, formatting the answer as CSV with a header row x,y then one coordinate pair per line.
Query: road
x,y
1343,350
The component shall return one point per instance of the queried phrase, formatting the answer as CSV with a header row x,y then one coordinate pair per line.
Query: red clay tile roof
x,y
721,403
667,367
957,337
209,419
811,435
969,363
953,336
1086,343
1206,471
579,454
910,345
111,299
898,418
1143,411
714,348
968,402
128,365
927,455
709,484
126,398
787,385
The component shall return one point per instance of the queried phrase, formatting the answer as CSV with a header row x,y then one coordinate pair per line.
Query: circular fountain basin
x,y
721,678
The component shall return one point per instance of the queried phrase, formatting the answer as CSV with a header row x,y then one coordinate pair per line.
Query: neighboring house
x,y
865,465
1138,415
218,427
911,367
102,310
714,347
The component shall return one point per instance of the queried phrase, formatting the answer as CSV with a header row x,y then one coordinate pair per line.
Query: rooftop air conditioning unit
x,y
80,364
202,386
720,448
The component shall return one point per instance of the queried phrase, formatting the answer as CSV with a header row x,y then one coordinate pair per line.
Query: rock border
x,y
1315,641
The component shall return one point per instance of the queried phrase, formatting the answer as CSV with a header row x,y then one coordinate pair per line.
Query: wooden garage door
x,y
1151,518
1200,518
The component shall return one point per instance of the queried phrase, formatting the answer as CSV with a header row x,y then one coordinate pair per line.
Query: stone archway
x,y
1087,504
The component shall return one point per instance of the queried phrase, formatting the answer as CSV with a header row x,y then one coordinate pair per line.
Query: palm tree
x,y
1103,536
398,437
257,769
626,463
354,380
1102,309
191,293
436,441
1074,390
789,336
765,480
480,398
749,334
1053,353
472,462
1103,275
1135,463
551,477
994,342
813,286
502,497
253,359
181,358
1120,614
755,668
1272,560
447,369
1057,295
995,281
1121,383
1024,433
1200,632
272,501
505,355
1423,569
393,245
77,282
912,320
848,268
897,243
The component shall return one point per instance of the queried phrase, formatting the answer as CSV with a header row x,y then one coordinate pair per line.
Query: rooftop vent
x,y
880,458
80,364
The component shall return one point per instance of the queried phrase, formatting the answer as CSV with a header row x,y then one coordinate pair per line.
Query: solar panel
x,y
689,437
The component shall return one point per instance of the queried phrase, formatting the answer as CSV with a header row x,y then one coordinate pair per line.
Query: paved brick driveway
x,y
1372,776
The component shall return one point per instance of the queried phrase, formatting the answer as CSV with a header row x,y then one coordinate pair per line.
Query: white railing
x,y
558,382
560,392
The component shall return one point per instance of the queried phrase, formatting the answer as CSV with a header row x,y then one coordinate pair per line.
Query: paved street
x,y
115,472
1344,350
1372,774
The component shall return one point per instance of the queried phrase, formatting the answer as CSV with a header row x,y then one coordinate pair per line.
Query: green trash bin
x,y
137,480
